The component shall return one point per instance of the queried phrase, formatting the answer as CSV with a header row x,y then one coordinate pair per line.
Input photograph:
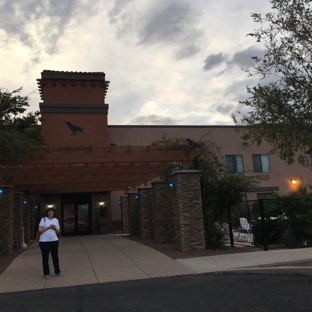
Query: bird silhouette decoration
x,y
74,128
192,143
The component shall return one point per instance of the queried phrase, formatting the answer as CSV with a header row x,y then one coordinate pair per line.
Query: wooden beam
x,y
82,187
98,156
117,168
57,180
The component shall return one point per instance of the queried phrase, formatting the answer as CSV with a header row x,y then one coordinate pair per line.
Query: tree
x,y
282,108
18,130
221,190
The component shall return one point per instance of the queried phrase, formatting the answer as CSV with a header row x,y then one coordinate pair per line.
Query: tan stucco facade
x,y
230,142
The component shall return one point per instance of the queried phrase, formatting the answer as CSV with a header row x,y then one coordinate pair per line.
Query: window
x,y
261,163
234,163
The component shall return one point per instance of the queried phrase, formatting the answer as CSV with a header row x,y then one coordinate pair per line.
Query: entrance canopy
x,y
77,169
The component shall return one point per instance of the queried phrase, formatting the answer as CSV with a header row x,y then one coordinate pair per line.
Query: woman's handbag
x,y
37,236
38,233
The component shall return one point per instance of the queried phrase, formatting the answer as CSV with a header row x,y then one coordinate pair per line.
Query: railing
x,y
272,223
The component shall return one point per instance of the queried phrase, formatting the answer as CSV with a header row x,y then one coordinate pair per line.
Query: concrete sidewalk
x,y
247,260
108,258
89,260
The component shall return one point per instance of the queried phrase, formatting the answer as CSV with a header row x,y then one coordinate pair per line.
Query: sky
x,y
169,62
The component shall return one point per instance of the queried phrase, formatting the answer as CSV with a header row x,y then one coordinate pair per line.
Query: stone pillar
x,y
145,212
18,218
134,225
188,212
26,218
6,218
162,212
101,225
32,234
125,214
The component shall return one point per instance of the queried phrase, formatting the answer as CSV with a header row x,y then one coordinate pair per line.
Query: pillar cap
x,y
144,187
159,182
7,186
185,172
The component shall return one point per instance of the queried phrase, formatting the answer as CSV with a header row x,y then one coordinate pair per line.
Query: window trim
x,y
261,163
234,163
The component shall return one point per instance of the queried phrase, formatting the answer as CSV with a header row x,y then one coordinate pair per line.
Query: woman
x,y
49,228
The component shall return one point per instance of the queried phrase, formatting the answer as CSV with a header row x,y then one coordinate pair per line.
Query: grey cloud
x,y
165,22
154,120
172,23
237,87
225,109
214,60
244,58
49,16
119,6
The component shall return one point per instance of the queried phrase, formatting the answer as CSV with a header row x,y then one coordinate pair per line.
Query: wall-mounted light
x,y
50,206
294,181
119,202
1,191
171,185
102,204
25,201
137,196
36,207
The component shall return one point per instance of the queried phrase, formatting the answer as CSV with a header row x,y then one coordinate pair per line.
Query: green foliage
x,y
220,189
288,220
282,109
18,130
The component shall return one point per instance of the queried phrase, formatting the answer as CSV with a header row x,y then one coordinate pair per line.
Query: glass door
x,y
83,218
76,219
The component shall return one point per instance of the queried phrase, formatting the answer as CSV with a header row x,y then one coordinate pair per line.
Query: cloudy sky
x,y
169,62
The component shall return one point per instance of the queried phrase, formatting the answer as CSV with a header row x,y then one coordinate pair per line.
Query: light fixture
x,y
119,202
171,185
36,207
25,201
102,204
294,181
50,206
1,191
137,196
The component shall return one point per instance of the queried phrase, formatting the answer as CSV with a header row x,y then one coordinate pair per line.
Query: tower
x,y
73,108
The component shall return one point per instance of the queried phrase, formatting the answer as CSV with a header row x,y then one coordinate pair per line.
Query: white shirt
x,y
50,234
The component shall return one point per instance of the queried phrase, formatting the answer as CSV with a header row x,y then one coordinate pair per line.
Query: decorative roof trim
x,y
71,76
74,108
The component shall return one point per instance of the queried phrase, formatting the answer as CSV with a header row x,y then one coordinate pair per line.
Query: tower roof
x,y
73,76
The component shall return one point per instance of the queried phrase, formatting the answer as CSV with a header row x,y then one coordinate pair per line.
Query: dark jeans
x,y
46,247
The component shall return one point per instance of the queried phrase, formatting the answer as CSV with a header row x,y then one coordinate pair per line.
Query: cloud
x,y
119,6
154,120
214,60
225,109
172,23
39,24
242,59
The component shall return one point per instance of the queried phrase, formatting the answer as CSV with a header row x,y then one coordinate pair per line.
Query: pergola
x,y
77,169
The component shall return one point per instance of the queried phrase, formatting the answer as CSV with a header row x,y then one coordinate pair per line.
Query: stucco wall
x,y
230,143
